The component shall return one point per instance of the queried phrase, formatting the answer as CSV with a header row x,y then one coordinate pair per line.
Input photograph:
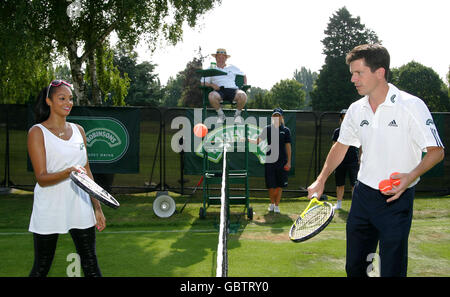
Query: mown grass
x,y
138,243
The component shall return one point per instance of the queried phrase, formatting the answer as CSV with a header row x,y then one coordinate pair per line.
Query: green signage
x,y
112,137
107,139
235,135
214,140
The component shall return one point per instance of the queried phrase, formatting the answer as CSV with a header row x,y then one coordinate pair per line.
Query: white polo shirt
x,y
393,138
226,81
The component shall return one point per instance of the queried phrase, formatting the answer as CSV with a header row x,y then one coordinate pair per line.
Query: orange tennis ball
x,y
385,185
395,181
200,130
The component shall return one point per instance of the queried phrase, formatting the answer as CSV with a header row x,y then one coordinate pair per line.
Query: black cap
x,y
277,111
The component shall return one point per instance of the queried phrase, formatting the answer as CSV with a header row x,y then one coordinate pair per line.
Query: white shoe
x,y
276,209
338,205
220,119
238,119
271,207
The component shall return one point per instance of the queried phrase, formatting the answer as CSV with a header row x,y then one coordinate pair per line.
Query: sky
x,y
269,39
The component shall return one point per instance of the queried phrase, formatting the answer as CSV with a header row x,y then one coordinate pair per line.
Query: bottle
x,y
213,65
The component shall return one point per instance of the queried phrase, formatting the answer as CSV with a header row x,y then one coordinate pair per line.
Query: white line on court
x,y
247,229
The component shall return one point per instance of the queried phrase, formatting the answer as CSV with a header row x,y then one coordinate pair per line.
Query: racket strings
x,y
312,221
92,188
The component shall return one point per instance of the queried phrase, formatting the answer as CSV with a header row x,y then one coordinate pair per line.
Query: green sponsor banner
x,y
107,139
213,142
234,134
112,138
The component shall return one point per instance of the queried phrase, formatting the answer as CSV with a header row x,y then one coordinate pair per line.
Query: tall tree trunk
x,y
96,93
77,75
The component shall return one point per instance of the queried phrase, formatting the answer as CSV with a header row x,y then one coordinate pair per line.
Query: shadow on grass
x,y
194,246
182,245
277,222
342,214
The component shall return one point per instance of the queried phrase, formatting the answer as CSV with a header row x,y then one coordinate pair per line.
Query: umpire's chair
x,y
239,80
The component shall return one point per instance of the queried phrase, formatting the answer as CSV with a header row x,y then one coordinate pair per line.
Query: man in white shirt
x,y
393,128
224,87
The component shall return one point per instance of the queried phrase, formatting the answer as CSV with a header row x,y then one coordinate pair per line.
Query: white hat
x,y
221,51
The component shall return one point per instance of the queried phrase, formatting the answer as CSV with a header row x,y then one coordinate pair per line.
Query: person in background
x,y
349,165
276,173
225,88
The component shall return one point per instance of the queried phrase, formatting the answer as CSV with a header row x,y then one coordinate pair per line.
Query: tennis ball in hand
x,y
395,181
200,130
385,185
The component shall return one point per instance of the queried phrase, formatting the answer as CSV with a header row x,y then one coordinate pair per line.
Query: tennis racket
x,y
83,181
316,216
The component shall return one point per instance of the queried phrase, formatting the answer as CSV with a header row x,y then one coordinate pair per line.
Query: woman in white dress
x,y
56,148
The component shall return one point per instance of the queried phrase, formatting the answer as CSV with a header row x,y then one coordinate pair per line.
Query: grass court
x,y
137,243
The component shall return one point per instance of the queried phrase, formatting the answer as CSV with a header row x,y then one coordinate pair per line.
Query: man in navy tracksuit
x,y
393,128
349,165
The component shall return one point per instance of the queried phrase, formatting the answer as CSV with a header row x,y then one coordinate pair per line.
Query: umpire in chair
x,y
225,88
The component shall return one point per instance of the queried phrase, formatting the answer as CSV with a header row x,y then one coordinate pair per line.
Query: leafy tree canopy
x,y
333,90
79,30
288,94
424,83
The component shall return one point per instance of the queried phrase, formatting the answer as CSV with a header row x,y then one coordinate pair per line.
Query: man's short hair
x,y
375,56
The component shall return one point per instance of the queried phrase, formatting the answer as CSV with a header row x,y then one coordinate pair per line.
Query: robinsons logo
x,y
107,138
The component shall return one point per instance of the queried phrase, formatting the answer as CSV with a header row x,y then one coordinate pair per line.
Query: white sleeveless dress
x,y
63,206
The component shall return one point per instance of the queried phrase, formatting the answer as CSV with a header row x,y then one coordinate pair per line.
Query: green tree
x,y
261,100
192,94
24,66
343,33
307,78
448,81
288,94
111,83
63,72
424,83
333,89
184,89
76,29
253,91
145,87
173,91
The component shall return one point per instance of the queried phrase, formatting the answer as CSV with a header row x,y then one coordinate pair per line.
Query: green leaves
x,y
333,90
423,82
288,94
33,30
344,32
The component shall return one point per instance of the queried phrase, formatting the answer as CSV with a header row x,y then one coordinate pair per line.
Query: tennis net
x,y
222,253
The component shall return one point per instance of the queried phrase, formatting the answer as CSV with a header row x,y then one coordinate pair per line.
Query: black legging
x,y
45,246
